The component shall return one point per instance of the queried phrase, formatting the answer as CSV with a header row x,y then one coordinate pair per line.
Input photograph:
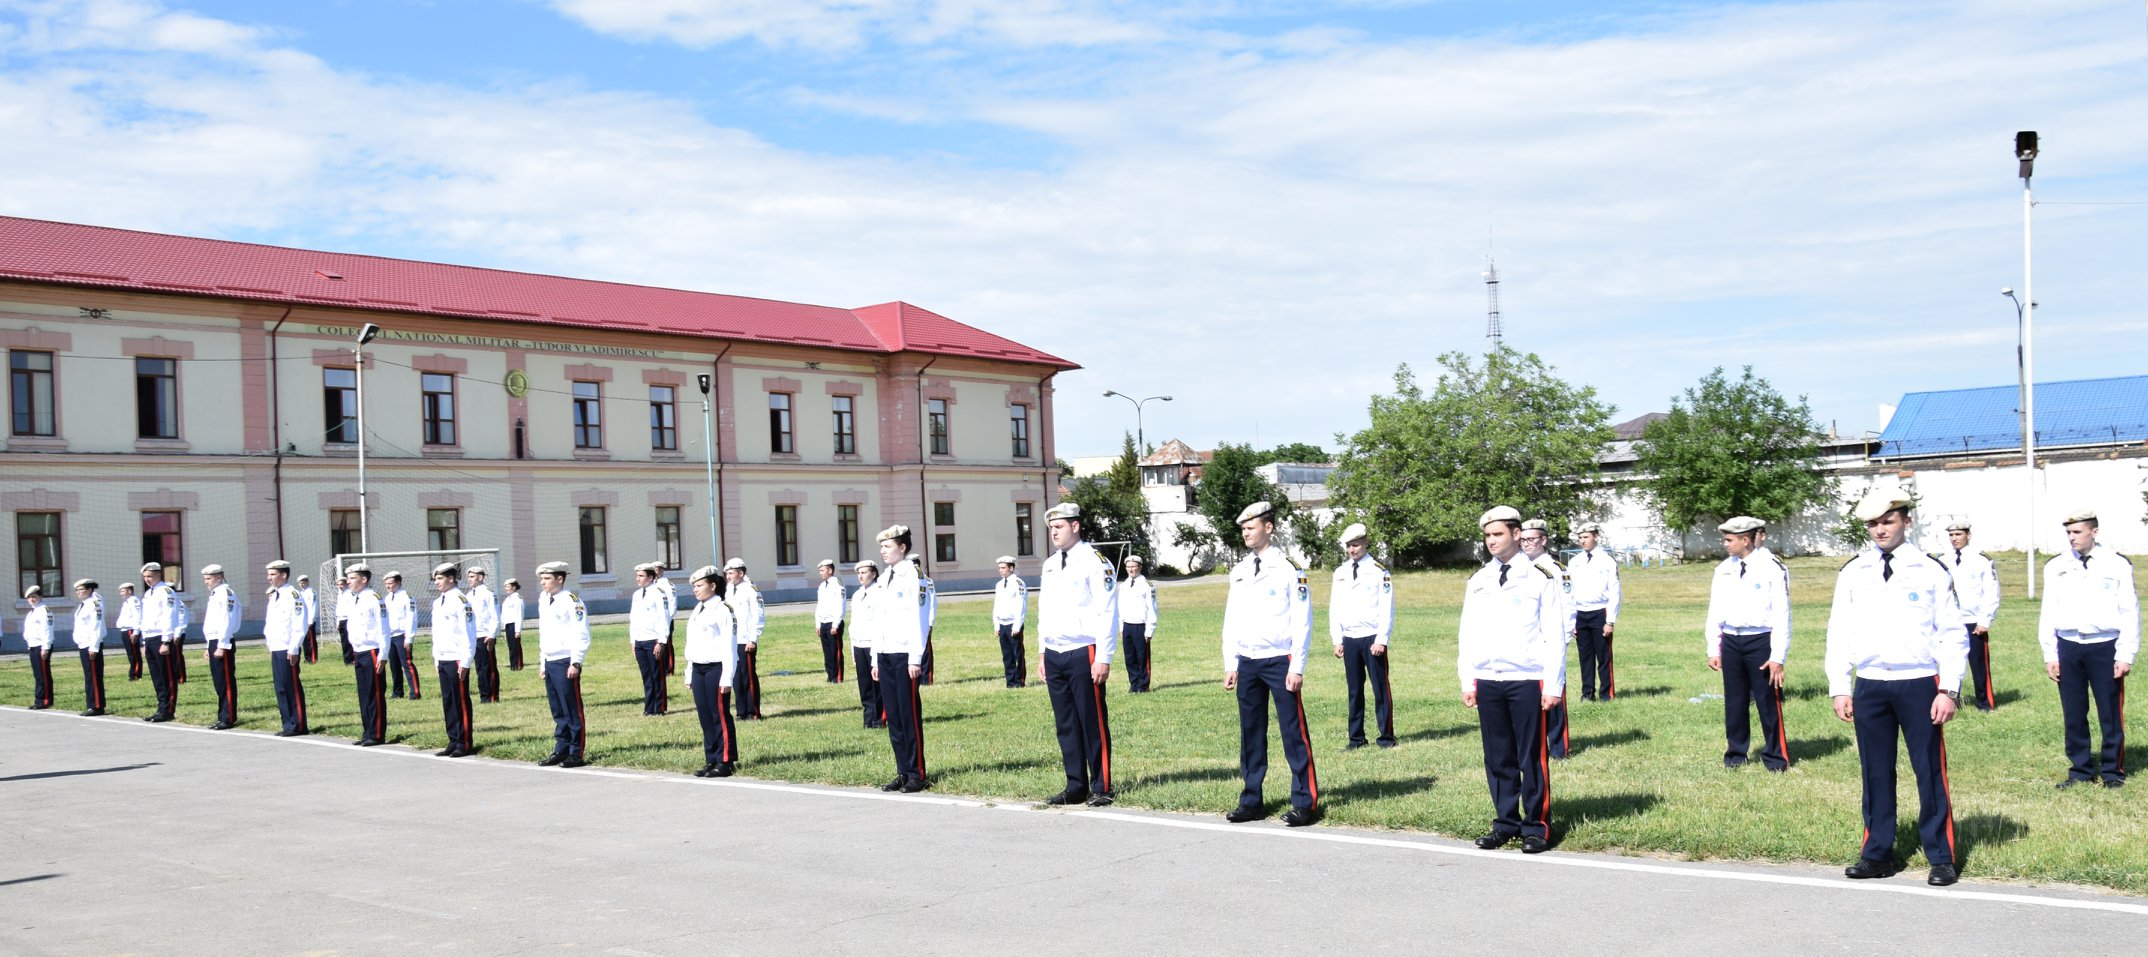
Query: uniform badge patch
x,y
1110,581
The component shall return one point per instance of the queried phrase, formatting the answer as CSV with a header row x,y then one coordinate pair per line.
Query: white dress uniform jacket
x,y
160,605
130,614
37,627
179,616
1749,596
402,614
649,619
1906,626
710,640
1010,602
368,617
1513,631
2090,602
454,627
562,627
1566,587
1361,601
1594,575
343,604
311,606
1078,602
1976,585
748,612
829,602
864,616
283,620
487,607
220,617
900,614
511,611
1137,604
89,624
1269,611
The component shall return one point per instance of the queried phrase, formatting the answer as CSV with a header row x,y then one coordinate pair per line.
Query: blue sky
x,y
1260,208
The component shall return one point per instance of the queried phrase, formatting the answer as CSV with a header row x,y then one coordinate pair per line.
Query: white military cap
x,y
892,532
1004,560
1134,560
2080,515
212,569
738,563
279,565
478,570
511,583
361,568
553,568
1592,527
444,568
1356,531
126,586
153,567
1257,510
34,591
393,575
863,565
1958,527
1537,524
88,583
1880,501
826,563
650,567
305,579
707,573
1063,510
1501,513
1742,524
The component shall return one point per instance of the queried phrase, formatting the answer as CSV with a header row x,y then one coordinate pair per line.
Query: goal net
x,y
417,569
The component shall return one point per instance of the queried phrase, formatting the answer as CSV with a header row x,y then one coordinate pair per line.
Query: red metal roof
x,y
106,258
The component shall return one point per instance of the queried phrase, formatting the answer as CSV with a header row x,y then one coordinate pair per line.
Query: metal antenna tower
x,y
1492,329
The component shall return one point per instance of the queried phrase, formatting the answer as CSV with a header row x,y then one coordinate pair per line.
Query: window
x,y
846,425
30,374
846,534
936,410
1019,415
779,422
443,529
786,535
594,560
667,536
156,398
588,415
438,403
1025,529
37,550
664,423
943,542
160,543
343,532
339,405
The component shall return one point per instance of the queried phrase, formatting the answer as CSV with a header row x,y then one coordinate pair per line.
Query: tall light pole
x,y
2025,151
708,457
1141,439
365,335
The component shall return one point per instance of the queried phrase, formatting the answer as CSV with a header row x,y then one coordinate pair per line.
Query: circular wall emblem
x,y
518,383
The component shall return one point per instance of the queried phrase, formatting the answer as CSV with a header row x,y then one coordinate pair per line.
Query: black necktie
x,y
1256,564
1353,571
1502,573
1886,560
1062,561
1741,568
1957,558
2084,561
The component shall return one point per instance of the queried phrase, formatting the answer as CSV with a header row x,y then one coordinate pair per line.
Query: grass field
x,y
1646,775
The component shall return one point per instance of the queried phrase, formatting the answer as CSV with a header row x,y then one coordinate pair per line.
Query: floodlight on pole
x,y
1141,439
2025,150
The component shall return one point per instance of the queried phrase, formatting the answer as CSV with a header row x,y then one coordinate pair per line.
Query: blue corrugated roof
x,y
2077,413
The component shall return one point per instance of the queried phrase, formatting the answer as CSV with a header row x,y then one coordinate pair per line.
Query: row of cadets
x,y
2090,632
1748,639
902,617
221,614
1361,618
1535,545
486,657
863,620
1138,625
711,666
1010,613
1267,628
161,612
829,603
562,643
1594,576
649,637
454,645
364,629
751,617
1511,661
402,621
283,632
1078,627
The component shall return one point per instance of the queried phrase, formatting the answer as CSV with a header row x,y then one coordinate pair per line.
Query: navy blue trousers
x,y
564,694
1985,698
485,662
1261,680
224,674
831,650
290,692
719,736
403,661
1134,648
906,728
1013,656
92,680
514,645
1517,758
1359,666
653,658
163,672
868,689
1595,651
454,694
1746,688
1884,711
746,685
134,653
372,695
2085,673
1081,718
41,677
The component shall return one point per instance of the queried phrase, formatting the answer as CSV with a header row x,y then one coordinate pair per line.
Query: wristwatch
x,y
1954,696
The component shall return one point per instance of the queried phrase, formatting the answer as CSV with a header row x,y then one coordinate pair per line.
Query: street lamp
x,y
1141,439
2025,151
708,457
365,335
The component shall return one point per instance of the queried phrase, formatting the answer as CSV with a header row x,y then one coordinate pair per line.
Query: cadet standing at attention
x,y
129,624
313,618
1976,587
454,644
220,618
89,639
343,618
649,638
828,607
932,612
512,615
1267,628
159,605
1895,656
486,661
1077,624
711,663
283,632
366,633
562,642
2090,630
1137,629
1511,659
37,635
1536,547
751,618
1748,640
1361,618
402,624
1594,575
898,657
1010,614
864,618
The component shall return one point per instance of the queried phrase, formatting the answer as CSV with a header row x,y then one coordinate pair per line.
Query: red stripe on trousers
x,y
1946,787
1312,777
581,734
1103,731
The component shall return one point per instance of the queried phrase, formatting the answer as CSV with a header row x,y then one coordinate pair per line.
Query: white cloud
x,y
830,25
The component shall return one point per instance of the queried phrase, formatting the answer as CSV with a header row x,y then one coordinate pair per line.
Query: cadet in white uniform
x,y
129,624
343,618
1137,627
1536,547
1511,661
649,636
486,661
454,646
900,616
2090,630
828,605
562,641
1895,656
512,614
37,634
159,606
1077,623
402,625
89,641
283,632
1267,629
1361,618
220,618
863,619
313,618
751,617
711,664
179,623
1976,588
932,612
1748,639
1594,576
1010,615
366,629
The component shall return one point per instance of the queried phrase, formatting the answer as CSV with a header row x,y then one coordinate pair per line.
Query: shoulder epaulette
x,y
1853,560
1541,570
569,596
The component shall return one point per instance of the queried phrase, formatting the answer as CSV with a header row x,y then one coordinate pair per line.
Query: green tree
x,y
1316,539
1500,430
1297,452
1228,485
1112,507
1732,447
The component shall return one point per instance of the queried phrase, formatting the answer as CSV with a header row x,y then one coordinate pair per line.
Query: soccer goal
x,y
417,569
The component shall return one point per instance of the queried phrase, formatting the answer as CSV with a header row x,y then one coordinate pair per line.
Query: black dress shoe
x,y
2114,782
1734,762
446,753
1494,841
1532,844
724,769
1100,799
287,733
552,760
573,761
914,785
2070,782
220,726
1068,796
1942,875
368,742
1865,870
458,753
93,713
1386,744
1354,745
704,770
1299,817
1243,813
895,785
158,718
